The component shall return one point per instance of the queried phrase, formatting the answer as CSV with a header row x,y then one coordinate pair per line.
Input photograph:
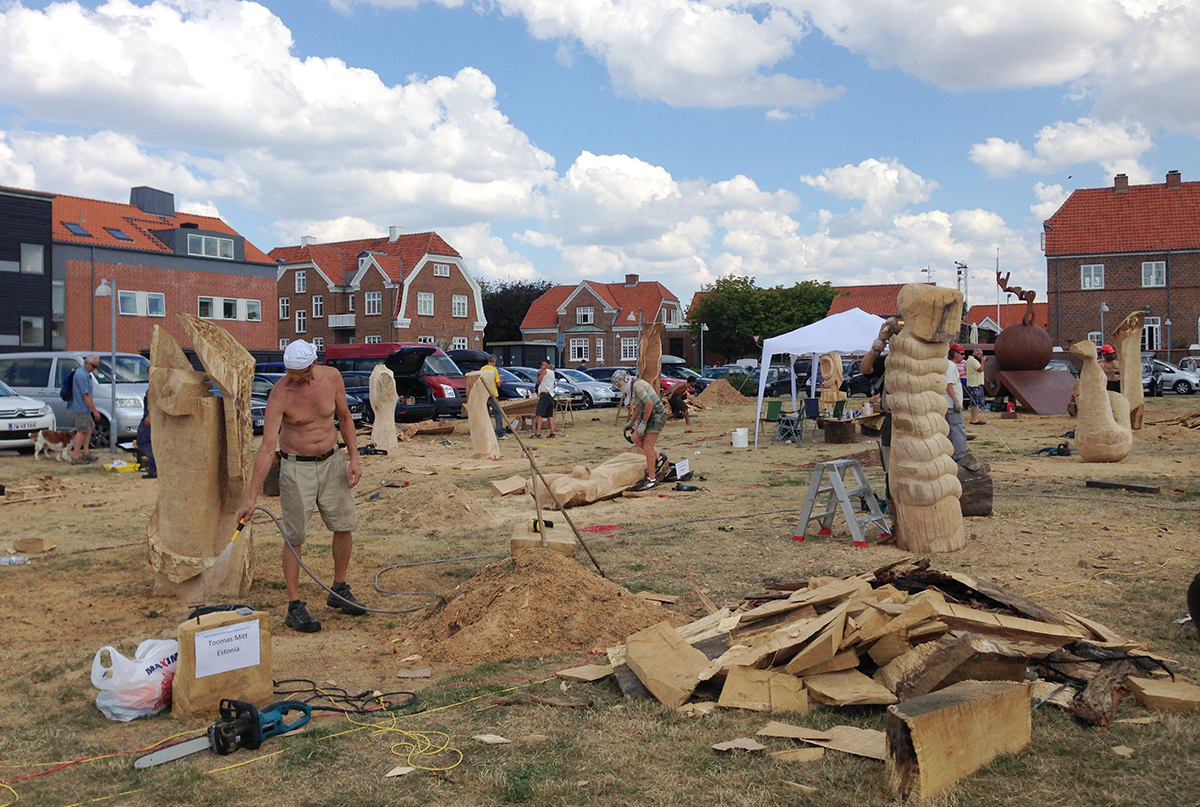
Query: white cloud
x,y
1116,147
1049,199
884,187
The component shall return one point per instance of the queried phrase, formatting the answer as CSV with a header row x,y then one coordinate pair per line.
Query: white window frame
x,y
374,339
210,246
253,310
1091,276
441,270
425,304
629,348
1096,337
319,343
225,307
459,306
1152,334
372,303
124,297
283,343
285,308
318,306
1157,271
460,343
350,303
585,315
426,340
301,281
301,321
599,349
212,310
580,348
33,259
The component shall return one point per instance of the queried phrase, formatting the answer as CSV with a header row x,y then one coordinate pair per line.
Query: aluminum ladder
x,y
837,494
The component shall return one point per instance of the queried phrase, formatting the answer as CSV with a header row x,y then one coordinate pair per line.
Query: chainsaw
x,y
241,726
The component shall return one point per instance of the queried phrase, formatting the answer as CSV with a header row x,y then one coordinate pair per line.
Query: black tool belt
x,y
298,458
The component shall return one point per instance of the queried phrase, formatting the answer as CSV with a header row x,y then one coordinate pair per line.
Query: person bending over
x,y
648,416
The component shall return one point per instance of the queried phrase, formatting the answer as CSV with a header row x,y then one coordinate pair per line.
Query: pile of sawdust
x,y
435,506
33,486
722,393
537,604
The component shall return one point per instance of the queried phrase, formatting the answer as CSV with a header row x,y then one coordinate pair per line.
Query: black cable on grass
x,y
343,702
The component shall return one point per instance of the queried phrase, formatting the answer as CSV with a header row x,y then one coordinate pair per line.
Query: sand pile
x,y
435,506
722,393
538,604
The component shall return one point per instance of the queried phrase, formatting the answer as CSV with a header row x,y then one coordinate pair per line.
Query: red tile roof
x,y
879,300
646,297
1143,218
94,215
1009,313
339,259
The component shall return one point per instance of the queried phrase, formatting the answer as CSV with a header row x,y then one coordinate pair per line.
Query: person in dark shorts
x,y
545,404
649,416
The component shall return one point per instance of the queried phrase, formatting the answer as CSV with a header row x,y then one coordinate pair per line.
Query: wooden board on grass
x,y
1160,694
847,688
506,487
763,691
666,664
847,739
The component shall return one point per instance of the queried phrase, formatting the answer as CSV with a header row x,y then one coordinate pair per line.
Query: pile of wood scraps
x,y
944,651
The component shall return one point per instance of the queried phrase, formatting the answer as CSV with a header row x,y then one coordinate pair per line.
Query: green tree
x,y
505,304
736,310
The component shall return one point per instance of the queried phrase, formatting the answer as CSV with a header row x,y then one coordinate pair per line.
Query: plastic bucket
x,y
741,438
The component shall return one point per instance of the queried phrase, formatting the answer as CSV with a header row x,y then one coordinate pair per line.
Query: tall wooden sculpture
x,y
831,384
1102,432
383,404
483,429
650,355
204,451
1128,343
923,475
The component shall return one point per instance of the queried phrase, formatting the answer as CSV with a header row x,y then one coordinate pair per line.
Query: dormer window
x,y
210,246
441,270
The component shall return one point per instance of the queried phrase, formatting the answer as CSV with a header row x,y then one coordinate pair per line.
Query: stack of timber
x,y
881,638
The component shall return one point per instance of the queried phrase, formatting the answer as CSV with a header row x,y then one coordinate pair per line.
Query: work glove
x,y
641,429
957,407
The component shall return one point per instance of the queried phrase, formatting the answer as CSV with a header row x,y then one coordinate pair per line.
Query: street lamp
x,y
108,288
1103,311
703,328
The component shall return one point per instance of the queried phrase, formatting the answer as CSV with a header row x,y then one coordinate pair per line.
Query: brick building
x,y
399,288
1125,248
163,262
599,323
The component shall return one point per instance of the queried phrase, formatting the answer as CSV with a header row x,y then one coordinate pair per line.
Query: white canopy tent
x,y
848,332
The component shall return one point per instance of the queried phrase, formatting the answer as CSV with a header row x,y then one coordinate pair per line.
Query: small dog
x,y
53,442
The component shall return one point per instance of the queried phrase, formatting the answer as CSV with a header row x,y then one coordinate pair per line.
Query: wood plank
x,y
844,660
507,487
1104,485
847,739
1102,632
847,688
920,670
780,649
820,650
833,591
1161,695
890,646
588,672
665,663
799,755
871,621
631,686
917,613
960,617
935,740
762,691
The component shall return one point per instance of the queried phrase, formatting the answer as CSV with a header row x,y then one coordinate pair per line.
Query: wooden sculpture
x,y
383,404
586,485
1128,343
483,428
923,475
650,355
203,446
831,384
1102,432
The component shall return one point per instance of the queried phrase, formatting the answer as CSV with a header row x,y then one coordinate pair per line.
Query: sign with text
x,y
681,468
229,647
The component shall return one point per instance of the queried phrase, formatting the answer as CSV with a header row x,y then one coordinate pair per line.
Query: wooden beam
x,y
1104,485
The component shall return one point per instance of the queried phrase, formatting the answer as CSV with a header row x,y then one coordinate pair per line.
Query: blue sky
x,y
566,139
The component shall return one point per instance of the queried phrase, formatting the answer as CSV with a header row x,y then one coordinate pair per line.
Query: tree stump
x,y
840,431
976,498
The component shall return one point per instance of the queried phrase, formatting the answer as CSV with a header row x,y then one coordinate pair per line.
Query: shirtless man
x,y
312,473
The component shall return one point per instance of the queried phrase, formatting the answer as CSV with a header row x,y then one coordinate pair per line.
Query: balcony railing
x,y
341,320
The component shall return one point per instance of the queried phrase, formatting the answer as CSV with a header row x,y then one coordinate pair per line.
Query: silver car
x,y
595,393
1173,378
39,375
21,418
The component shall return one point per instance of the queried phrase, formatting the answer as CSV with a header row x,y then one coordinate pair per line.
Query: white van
x,y
39,375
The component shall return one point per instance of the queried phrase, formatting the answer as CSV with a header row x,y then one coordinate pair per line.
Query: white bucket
x,y
741,438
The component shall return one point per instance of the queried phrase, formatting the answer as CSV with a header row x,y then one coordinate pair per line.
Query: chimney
x,y
1174,179
1121,183
394,234
631,281
307,240
152,201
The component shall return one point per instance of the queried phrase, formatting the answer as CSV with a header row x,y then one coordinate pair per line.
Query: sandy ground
x,y
723,542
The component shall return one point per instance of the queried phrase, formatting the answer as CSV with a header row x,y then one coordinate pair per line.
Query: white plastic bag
x,y
137,687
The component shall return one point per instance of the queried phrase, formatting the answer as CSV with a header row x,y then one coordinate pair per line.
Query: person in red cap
x,y
1111,366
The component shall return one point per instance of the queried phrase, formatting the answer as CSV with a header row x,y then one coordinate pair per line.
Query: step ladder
x,y
837,494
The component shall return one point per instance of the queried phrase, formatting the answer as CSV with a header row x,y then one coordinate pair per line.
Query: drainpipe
x,y
93,248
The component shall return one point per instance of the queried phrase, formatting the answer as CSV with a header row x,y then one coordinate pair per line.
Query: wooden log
x,y
479,421
840,432
649,367
382,391
1099,483
922,669
935,740
1097,704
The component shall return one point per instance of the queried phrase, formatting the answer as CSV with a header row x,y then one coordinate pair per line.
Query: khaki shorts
x,y
84,422
324,485
658,419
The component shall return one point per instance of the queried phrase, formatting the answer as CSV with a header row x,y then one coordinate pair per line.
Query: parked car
x,y
1174,378
853,380
1063,364
1190,363
604,374
39,375
21,418
1152,383
260,390
424,375
595,392
562,387
509,386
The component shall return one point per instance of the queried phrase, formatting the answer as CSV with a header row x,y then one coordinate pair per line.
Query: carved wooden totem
x,y
1128,343
923,475
383,404
483,428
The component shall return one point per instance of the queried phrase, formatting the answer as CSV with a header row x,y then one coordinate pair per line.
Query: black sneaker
x,y
647,483
342,598
662,467
298,619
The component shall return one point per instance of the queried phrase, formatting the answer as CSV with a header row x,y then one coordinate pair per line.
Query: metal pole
x,y
112,416
1102,307
702,329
